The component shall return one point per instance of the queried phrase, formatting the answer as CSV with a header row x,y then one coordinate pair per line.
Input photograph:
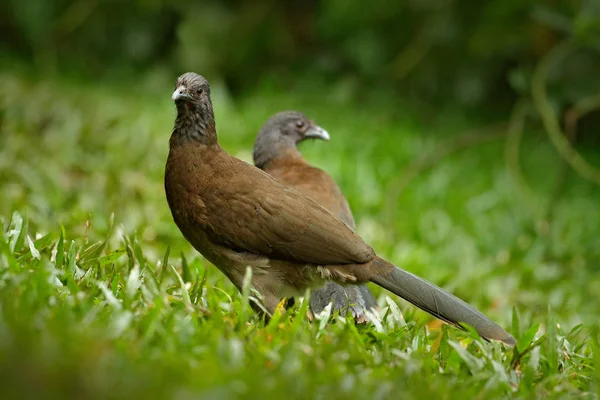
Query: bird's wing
x,y
248,210
316,184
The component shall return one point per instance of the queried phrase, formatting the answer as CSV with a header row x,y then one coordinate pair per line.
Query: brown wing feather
x,y
316,184
265,217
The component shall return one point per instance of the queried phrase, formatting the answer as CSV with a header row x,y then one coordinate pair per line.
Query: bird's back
x,y
314,183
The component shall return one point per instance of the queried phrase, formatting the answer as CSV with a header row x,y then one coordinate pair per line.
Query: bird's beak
x,y
317,132
181,94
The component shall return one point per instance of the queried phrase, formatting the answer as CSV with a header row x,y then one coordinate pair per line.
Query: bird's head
x,y
195,117
191,91
294,127
283,131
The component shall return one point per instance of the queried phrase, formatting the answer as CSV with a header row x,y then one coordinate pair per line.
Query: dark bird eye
x,y
198,91
300,123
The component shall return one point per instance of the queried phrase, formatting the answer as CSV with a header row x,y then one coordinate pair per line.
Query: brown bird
x,y
238,216
276,152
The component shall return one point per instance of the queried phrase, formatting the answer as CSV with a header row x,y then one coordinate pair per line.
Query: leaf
x,y
516,330
552,352
527,338
34,252
133,283
44,242
444,349
109,296
499,371
396,314
87,275
6,250
534,360
111,227
164,264
111,257
300,318
92,252
198,286
195,294
378,325
246,287
185,269
184,293
323,316
60,249
473,363
151,284
114,283
130,254
472,331
71,258
595,345
139,254
575,330
18,230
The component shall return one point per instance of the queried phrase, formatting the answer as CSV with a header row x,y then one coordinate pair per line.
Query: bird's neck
x,y
284,158
193,125
267,149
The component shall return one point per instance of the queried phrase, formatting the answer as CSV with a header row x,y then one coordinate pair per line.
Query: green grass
x,y
101,297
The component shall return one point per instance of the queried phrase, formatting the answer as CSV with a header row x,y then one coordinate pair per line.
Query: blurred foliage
x,y
427,51
97,302
90,306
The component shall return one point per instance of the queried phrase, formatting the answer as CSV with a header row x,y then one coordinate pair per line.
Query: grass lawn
x,y
101,297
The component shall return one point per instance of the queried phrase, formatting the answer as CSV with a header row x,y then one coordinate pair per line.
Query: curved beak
x,y
317,132
181,94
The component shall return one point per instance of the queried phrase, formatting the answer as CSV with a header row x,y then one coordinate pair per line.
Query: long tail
x,y
439,303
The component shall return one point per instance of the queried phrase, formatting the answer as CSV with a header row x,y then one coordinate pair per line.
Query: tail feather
x,y
440,303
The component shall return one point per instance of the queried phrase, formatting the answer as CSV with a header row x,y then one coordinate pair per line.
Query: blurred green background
x,y
464,135
477,55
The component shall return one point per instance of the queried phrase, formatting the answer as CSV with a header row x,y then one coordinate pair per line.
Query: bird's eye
x,y
198,91
299,123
